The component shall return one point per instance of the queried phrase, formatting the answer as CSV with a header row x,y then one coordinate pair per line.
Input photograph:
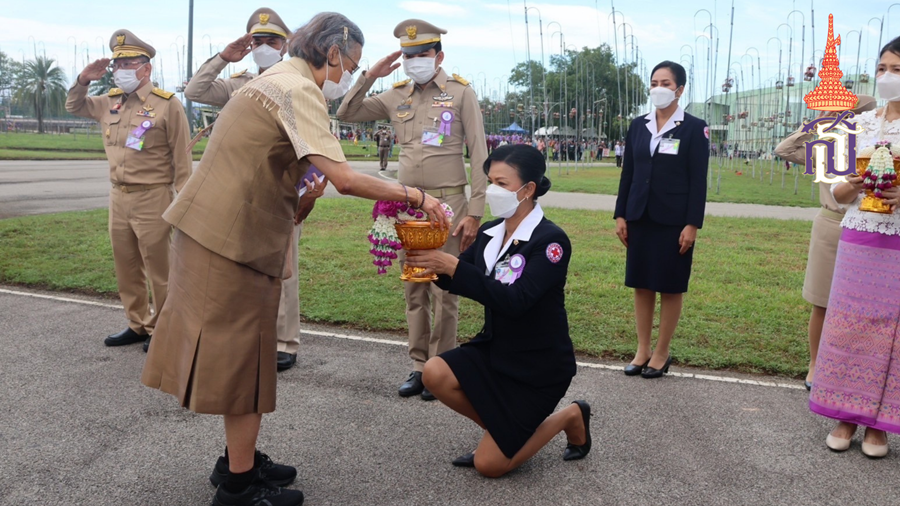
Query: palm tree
x,y
41,85
102,86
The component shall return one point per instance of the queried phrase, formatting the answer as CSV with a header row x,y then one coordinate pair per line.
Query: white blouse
x,y
875,130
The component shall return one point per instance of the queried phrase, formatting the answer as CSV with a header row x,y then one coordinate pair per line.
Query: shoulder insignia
x,y
115,92
402,83
458,78
238,74
163,93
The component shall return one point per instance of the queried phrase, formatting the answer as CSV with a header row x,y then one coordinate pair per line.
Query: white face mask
x,y
888,86
265,56
662,97
503,202
126,79
333,90
420,70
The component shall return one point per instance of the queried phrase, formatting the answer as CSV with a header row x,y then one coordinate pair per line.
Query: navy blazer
x,y
525,323
671,189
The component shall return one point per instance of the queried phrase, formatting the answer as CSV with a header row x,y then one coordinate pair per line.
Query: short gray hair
x,y
313,40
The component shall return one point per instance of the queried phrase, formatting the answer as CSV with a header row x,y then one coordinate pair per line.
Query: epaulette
x,y
458,78
402,83
163,93
238,74
115,92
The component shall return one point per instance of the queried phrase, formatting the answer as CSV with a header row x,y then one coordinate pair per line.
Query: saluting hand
x,y
622,231
687,239
468,226
93,72
385,66
237,50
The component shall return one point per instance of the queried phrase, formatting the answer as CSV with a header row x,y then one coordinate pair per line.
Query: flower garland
x,y
880,175
383,235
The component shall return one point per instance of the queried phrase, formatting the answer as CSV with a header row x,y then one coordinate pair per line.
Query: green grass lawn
x,y
744,310
742,188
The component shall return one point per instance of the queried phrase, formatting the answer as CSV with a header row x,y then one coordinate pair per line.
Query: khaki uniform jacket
x,y
412,109
793,149
207,88
163,159
240,202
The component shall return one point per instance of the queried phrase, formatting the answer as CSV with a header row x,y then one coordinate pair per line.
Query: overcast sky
x,y
485,40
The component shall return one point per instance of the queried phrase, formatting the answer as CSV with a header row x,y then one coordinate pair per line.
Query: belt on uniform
x,y
828,213
132,188
440,193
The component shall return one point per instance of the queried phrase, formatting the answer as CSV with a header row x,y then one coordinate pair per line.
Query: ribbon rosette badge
x,y
446,123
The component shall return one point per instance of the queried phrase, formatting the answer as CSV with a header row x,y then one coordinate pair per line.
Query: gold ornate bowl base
x,y
419,235
870,203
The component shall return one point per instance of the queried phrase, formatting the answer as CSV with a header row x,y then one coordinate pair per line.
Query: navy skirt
x,y
510,410
652,260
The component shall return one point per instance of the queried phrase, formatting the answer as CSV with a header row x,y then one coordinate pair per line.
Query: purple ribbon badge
x,y
141,130
446,122
517,265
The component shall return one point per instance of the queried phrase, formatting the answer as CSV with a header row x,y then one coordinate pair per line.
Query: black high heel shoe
x,y
576,452
650,372
634,370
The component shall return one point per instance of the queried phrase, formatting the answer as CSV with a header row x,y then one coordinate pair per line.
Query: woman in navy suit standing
x,y
660,207
512,375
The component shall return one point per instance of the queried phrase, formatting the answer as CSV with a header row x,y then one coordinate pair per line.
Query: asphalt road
x,y
37,187
77,427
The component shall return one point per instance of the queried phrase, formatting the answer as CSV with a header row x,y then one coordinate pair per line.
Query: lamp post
x,y
209,41
190,59
710,77
880,34
618,78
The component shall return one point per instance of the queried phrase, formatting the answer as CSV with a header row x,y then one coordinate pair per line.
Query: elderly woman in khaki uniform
x,y
215,346
823,241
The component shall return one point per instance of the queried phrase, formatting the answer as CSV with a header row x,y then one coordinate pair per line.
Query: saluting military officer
x,y
266,38
434,115
145,135
384,138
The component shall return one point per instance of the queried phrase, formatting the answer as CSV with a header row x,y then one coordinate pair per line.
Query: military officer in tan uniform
x,y
145,134
267,34
384,139
434,115
266,38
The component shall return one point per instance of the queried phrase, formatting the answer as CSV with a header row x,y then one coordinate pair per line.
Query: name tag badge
x,y
135,143
431,137
669,146
503,273
403,107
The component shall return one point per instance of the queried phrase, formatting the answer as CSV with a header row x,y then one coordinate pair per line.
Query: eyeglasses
x,y
116,65
355,65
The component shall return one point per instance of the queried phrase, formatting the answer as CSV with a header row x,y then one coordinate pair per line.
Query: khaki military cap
x,y
864,103
125,44
265,22
417,36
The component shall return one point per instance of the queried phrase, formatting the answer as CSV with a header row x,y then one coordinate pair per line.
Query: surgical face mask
x,y
503,202
126,79
888,86
420,70
265,56
662,97
333,90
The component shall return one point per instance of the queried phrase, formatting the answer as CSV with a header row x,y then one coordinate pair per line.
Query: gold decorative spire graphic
x,y
830,94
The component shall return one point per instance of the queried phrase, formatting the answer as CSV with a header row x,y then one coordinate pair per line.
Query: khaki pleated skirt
x,y
214,347
823,245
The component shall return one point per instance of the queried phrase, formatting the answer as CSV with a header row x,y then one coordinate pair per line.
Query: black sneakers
x,y
276,474
259,493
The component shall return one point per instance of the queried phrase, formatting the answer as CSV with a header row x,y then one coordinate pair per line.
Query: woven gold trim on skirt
x,y
214,347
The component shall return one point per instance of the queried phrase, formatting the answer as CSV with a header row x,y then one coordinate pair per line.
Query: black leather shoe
x,y
286,360
412,386
650,372
467,460
276,474
634,370
427,395
576,452
147,344
808,385
259,493
127,336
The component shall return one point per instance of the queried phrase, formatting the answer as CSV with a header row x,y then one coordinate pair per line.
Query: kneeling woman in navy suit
x,y
661,202
512,375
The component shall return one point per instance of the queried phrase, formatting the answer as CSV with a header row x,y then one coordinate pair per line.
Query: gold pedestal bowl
x,y
419,235
870,202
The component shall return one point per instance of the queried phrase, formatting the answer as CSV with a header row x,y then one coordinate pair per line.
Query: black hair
x,y
528,162
437,47
676,69
892,46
